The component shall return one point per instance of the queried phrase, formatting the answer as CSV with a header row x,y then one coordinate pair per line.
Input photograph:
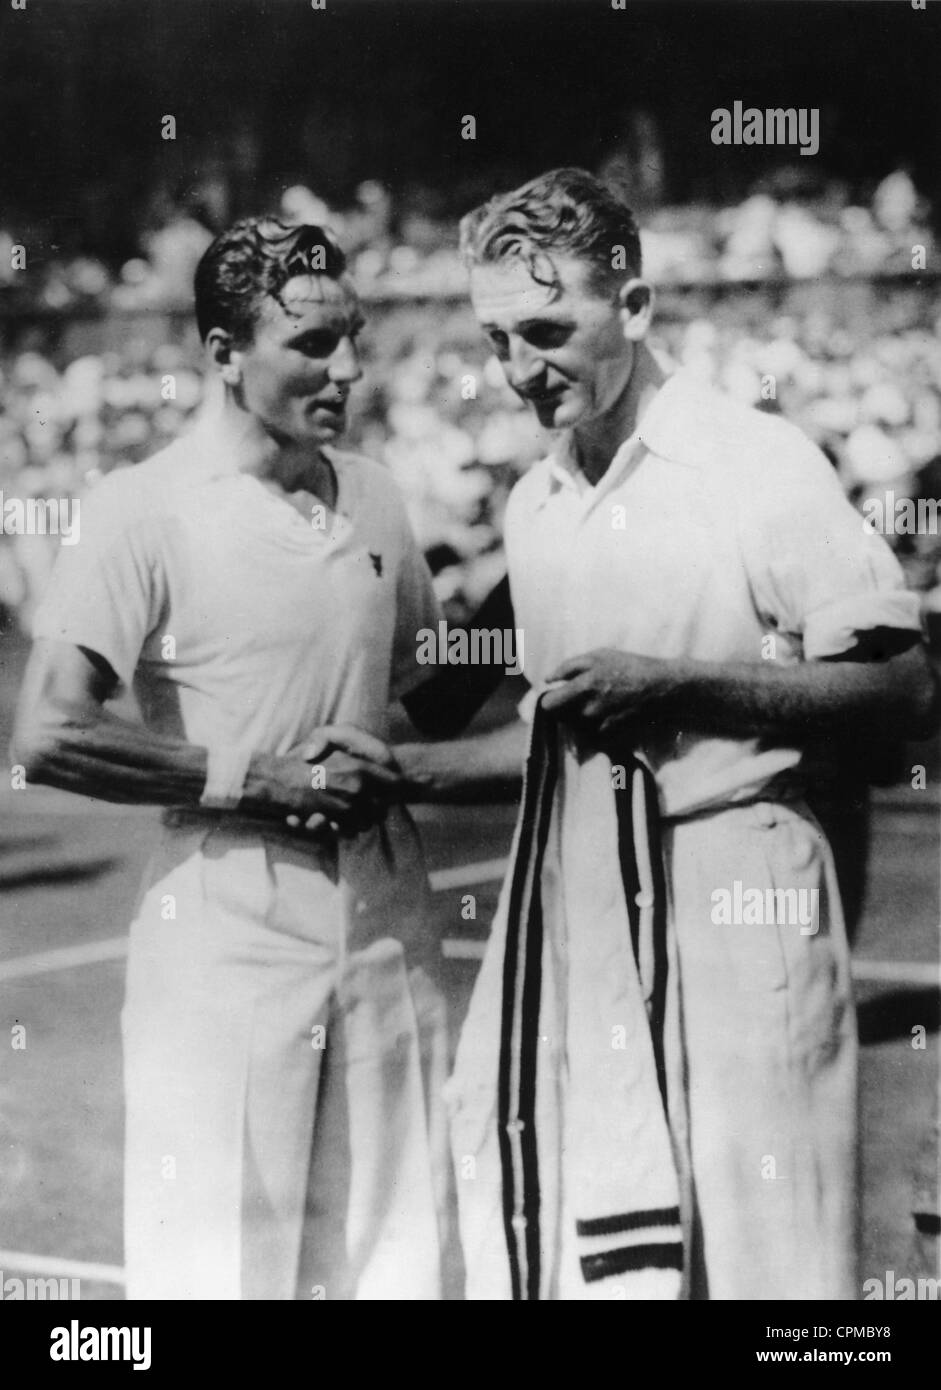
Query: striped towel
x,y
609,1135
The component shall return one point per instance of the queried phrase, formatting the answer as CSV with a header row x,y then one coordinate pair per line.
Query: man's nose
x,y
344,363
524,366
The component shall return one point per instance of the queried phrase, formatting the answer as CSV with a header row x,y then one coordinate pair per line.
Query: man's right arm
x,y
486,768
65,737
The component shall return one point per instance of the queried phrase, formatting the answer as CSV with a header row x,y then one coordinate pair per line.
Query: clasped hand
x,y
352,778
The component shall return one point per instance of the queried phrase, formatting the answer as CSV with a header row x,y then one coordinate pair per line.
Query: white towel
x,y
595,1110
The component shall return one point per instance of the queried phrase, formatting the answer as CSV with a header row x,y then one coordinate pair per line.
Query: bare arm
x,y
486,768
828,697
609,690
65,737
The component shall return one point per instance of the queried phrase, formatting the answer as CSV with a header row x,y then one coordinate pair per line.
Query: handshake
x,y
341,781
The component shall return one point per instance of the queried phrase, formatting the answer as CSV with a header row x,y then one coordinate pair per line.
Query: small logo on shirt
x,y
376,563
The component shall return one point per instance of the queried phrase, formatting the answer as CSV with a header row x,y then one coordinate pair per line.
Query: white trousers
x,y
769,1039
283,1059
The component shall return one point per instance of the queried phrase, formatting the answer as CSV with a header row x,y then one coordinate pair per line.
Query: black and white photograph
x,y
470,636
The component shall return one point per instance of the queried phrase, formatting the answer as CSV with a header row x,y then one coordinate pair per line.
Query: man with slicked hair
x,y
655,1090
260,590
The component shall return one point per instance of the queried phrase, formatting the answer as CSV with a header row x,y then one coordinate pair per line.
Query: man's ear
x,y
636,300
226,359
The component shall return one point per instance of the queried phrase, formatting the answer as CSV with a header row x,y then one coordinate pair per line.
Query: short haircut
x,y
566,211
254,260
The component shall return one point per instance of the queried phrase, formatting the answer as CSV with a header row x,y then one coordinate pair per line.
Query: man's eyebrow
x,y
332,324
561,320
558,320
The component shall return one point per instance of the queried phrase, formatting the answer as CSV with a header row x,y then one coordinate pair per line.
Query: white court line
x,y
64,958
486,871
24,1263
454,948
115,947
463,948
898,972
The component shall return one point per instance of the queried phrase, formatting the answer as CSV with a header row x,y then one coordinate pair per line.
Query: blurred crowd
x,y
857,364
406,247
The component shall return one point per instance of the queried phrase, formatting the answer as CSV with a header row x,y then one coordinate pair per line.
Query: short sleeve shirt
x,y
715,528
234,618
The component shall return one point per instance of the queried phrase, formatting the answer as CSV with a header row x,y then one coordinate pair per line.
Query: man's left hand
x,y
605,690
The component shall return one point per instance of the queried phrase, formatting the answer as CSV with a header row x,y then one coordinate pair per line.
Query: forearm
x,y
486,768
96,753
813,697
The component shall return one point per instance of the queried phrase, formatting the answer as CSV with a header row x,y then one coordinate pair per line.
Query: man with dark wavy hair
x,y
654,1095
260,590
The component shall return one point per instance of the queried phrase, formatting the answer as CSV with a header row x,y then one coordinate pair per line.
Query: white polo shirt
x,y
235,618
715,528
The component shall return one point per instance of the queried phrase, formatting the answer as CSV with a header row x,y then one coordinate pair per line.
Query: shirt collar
x,y
216,456
668,428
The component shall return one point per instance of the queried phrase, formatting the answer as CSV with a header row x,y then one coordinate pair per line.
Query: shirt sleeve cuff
x,y
45,625
834,629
